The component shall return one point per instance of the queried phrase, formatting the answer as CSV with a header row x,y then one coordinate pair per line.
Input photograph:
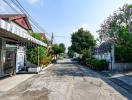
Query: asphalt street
x,y
66,80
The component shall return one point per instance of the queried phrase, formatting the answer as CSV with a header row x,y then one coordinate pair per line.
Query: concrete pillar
x,y
111,66
0,57
3,44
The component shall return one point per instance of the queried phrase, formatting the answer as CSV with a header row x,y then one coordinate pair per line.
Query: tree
x,y
70,52
82,40
57,50
62,46
117,27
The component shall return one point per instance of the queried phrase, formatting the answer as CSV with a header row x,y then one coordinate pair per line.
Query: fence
x,y
122,67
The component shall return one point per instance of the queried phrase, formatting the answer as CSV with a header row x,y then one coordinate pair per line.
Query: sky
x,y
63,17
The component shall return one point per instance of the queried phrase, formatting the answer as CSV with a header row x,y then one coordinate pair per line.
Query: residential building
x,y
14,38
106,51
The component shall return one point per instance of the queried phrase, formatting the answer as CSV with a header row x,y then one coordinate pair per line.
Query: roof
x,y
15,18
103,48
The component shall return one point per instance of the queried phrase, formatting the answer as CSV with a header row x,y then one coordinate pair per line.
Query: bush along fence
x,y
96,64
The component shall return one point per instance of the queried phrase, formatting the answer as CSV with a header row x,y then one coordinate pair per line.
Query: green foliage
x,y
39,37
57,49
123,53
98,64
95,64
70,52
42,53
130,6
62,46
82,43
117,29
82,40
33,53
86,55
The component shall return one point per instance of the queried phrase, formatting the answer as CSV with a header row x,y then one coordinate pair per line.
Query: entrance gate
x,y
9,63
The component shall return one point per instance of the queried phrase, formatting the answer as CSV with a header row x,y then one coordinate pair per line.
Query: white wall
x,y
104,56
108,56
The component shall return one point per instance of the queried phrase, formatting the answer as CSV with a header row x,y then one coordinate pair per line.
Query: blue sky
x,y
62,17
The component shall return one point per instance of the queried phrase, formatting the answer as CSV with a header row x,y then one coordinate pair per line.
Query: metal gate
x,y
9,63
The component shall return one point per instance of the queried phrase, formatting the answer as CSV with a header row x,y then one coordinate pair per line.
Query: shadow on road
x,y
76,70
116,84
73,62
72,69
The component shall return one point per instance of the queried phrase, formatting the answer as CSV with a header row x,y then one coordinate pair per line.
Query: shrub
x,y
86,55
123,54
32,56
45,61
39,37
99,64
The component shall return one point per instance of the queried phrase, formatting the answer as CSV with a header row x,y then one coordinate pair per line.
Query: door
x,y
20,61
9,64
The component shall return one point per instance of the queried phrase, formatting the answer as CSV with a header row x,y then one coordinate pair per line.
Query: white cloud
x,y
33,1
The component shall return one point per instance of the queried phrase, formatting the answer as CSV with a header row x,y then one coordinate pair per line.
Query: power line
x,y
10,6
35,25
31,18
16,2
59,36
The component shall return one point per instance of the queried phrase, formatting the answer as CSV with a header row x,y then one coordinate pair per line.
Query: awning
x,y
6,31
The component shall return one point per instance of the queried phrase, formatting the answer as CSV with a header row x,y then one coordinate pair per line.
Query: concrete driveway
x,y
10,82
66,80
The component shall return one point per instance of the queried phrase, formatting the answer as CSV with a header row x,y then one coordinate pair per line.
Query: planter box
x,y
34,70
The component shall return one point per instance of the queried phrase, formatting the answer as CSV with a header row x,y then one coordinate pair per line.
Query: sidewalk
x,y
10,82
122,79
125,77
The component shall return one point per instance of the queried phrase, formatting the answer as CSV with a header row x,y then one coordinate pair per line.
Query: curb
x,y
42,71
47,67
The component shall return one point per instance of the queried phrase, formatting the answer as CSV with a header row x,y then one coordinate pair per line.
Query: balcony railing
x,y
19,32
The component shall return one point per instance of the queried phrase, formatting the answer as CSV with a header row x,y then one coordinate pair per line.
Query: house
x,y
14,39
103,51
106,51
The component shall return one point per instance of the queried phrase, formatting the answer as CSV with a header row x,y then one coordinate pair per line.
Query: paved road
x,y
66,80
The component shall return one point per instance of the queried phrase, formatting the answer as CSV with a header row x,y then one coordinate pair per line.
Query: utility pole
x,y
52,38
